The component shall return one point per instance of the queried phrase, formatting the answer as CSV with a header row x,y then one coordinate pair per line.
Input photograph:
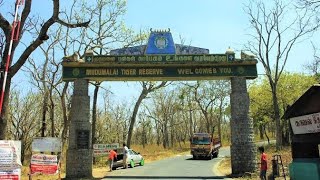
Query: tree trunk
x,y
165,136
261,131
44,112
134,115
158,133
220,118
276,110
191,123
64,114
3,115
265,132
94,113
52,118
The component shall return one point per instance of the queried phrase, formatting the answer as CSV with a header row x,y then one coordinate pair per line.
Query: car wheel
x,y
142,162
114,168
132,163
216,154
210,156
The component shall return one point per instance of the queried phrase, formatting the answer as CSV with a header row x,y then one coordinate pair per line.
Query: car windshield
x,y
131,152
200,140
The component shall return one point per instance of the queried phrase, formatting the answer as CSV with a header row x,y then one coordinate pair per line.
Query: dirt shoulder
x,y
225,165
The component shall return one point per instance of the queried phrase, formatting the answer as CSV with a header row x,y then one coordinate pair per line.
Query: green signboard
x,y
158,58
159,73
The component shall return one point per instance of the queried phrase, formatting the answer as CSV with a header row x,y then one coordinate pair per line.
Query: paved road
x,y
178,167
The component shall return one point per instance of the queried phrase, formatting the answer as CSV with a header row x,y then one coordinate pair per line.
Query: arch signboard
x,y
158,67
159,60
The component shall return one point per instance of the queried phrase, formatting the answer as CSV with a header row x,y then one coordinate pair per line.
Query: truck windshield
x,y
200,140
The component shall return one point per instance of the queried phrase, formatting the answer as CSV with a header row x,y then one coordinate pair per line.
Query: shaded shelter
x,y
304,117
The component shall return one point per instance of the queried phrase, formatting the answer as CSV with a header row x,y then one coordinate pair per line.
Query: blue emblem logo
x,y
161,42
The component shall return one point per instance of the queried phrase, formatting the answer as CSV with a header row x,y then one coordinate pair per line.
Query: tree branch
x,y
43,36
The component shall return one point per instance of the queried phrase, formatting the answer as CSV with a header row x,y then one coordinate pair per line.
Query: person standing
x,y
125,155
112,156
263,164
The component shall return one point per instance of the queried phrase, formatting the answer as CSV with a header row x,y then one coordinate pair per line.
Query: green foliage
x,y
291,86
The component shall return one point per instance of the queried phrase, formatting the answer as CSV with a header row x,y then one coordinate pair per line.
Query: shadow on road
x,y
203,159
165,177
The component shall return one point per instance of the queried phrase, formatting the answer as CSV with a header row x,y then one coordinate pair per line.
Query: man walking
x,y
112,156
264,164
125,155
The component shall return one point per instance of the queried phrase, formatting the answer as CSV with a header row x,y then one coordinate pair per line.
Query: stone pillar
x,y
79,153
243,149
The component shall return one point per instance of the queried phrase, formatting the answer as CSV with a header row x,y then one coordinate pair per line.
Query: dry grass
x,y
225,165
154,152
100,170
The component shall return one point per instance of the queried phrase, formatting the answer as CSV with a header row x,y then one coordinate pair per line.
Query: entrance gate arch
x,y
159,60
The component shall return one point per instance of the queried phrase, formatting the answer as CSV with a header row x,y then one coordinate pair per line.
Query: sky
x,y
212,24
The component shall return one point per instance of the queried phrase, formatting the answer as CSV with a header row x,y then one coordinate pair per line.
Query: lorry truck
x,y
203,145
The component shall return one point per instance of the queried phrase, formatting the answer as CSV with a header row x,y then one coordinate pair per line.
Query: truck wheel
x,y
195,157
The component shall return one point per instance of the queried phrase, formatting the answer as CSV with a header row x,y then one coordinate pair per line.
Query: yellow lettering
x,y
102,72
185,71
225,70
150,72
204,71
128,72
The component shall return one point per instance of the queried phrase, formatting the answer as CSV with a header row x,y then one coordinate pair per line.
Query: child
x,y
264,165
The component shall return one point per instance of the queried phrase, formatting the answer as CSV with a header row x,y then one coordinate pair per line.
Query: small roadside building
x,y
304,117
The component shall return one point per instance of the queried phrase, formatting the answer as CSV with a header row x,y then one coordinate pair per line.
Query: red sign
x,y
44,169
9,177
45,164
10,174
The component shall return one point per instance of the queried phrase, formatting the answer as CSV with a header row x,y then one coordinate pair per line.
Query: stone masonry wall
x,y
243,149
79,160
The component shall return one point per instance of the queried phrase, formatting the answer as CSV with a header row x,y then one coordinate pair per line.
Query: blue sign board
x,y
160,42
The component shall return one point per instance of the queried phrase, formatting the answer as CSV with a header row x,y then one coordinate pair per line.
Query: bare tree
x,y
312,4
164,111
314,66
21,116
6,27
272,41
106,31
147,87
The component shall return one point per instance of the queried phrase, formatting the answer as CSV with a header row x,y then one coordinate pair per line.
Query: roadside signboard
x,y
103,149
10,152
45,164
306,124
158,72
14,174
46,144
10,164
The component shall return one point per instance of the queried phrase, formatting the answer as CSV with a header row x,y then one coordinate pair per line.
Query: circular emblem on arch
x,y
75,72
240,70
161,42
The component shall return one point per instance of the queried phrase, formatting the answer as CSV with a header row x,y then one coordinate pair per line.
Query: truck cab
x,y
203,145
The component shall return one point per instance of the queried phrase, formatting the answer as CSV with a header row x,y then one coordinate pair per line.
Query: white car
x,y
133,159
